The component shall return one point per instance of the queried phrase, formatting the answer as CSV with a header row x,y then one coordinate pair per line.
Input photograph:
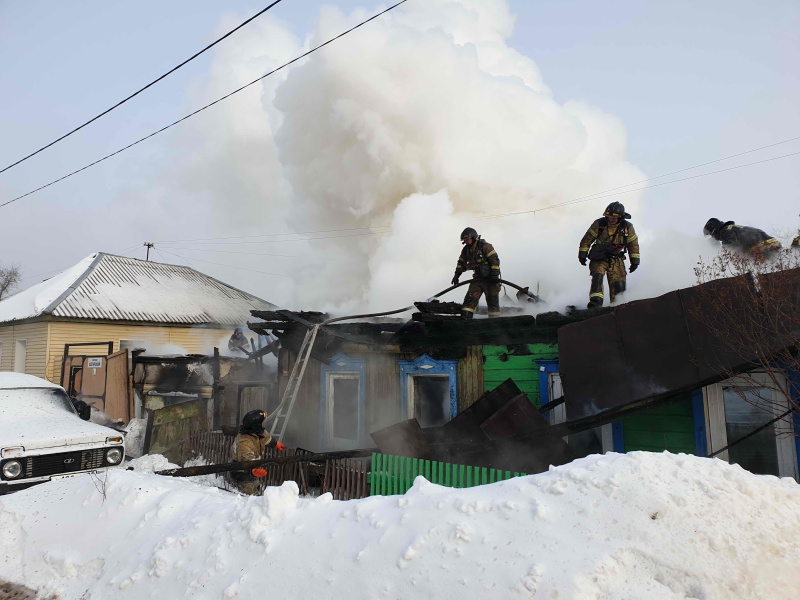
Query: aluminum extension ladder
x,y
284,410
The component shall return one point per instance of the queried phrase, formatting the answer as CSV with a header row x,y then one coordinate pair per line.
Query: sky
x,y
638,525
441,115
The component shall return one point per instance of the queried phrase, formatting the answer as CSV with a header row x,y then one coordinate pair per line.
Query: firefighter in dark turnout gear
x,y
605,244
250,445
480,257
742,239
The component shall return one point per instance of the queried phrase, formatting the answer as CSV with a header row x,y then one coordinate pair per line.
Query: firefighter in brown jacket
x,y
479,256
605,244
250,445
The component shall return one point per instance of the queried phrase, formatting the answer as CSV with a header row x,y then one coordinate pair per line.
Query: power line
x,y
711,162
241,237
596,195
236,91
224,265
302,239
600,197
121,102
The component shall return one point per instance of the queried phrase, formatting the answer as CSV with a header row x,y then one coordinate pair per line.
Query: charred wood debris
x,y
436,330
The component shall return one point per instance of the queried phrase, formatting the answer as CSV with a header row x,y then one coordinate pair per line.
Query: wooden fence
x,y
345,479
349,478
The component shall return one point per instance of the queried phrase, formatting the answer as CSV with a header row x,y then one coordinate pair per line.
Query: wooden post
x,y
215,391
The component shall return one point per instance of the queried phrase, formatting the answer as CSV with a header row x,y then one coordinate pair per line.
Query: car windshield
x,y
28,401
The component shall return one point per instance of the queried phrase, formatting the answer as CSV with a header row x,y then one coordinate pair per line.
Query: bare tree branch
x,y
9,280
758,315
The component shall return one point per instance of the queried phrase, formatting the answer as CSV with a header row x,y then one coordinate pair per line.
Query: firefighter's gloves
x,y
258,472
582,257
455,279
280,446
633,267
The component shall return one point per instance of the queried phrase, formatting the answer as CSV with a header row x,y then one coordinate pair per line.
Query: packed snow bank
x,y
655,526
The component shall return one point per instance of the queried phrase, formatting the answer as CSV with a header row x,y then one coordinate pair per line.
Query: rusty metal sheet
x,y
648,350
592,366
517,417
403,439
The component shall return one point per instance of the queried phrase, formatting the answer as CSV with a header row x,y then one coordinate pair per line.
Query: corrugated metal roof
x,y
117,288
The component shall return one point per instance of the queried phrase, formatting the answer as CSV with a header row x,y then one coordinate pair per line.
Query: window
x,y
736,408
20,355
597,440
342,387
430,396
428,390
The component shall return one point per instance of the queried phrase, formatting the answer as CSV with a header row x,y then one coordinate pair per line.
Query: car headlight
x,y
114,456
12,469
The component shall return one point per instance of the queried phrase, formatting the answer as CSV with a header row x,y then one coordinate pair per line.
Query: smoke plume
x,y
415,126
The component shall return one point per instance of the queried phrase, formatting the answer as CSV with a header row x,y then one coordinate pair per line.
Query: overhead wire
x,y
240,237
218,100
597,196
228,266
600,197
152,83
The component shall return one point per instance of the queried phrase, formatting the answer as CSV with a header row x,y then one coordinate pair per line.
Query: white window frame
x,y
559,413
716,431
20,350
331,376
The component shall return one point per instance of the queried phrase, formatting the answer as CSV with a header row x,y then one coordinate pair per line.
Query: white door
x,y
737,407
344,419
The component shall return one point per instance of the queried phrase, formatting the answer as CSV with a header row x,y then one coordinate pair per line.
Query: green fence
x,y
395,474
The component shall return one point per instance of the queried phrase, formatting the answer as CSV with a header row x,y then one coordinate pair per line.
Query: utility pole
x,y
149,245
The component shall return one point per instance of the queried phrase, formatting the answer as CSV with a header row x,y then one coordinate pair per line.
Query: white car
x,y
43,438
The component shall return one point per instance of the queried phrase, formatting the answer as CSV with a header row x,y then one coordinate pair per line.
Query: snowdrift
x,y
641,525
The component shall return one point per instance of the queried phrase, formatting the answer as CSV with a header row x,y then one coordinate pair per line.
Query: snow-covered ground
x,y
636,526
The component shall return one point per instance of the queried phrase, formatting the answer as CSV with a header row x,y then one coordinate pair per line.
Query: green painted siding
x,y
667,427
516,362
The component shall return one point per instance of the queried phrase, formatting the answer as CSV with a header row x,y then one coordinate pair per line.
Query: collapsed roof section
x,y
650,350
436,330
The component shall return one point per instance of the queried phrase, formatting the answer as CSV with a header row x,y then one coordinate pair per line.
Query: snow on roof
x,y
639,525
108,287
9,380
33,301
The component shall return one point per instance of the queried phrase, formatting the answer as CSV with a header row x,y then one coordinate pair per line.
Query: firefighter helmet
x,y
253,422
469,232
712,226
616,209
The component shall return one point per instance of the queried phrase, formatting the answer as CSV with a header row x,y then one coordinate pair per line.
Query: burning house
x,y
647,375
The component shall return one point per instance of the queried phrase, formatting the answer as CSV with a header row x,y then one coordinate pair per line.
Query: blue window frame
x,y
428,390
342,402
608,436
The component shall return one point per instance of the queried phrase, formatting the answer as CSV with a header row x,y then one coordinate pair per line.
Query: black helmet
x,y
616,209
469,232
253,422
712,226
238,330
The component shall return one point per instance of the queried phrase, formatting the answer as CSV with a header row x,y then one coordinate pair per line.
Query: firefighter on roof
x,y
479,256
742,239
605,244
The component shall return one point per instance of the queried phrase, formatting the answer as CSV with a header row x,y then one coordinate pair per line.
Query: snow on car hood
x,y
37,422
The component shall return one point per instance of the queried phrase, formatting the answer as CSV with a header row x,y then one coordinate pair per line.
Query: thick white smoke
x,y
427,120
419,124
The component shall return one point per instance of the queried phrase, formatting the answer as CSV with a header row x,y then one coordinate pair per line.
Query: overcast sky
x,y
656,87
